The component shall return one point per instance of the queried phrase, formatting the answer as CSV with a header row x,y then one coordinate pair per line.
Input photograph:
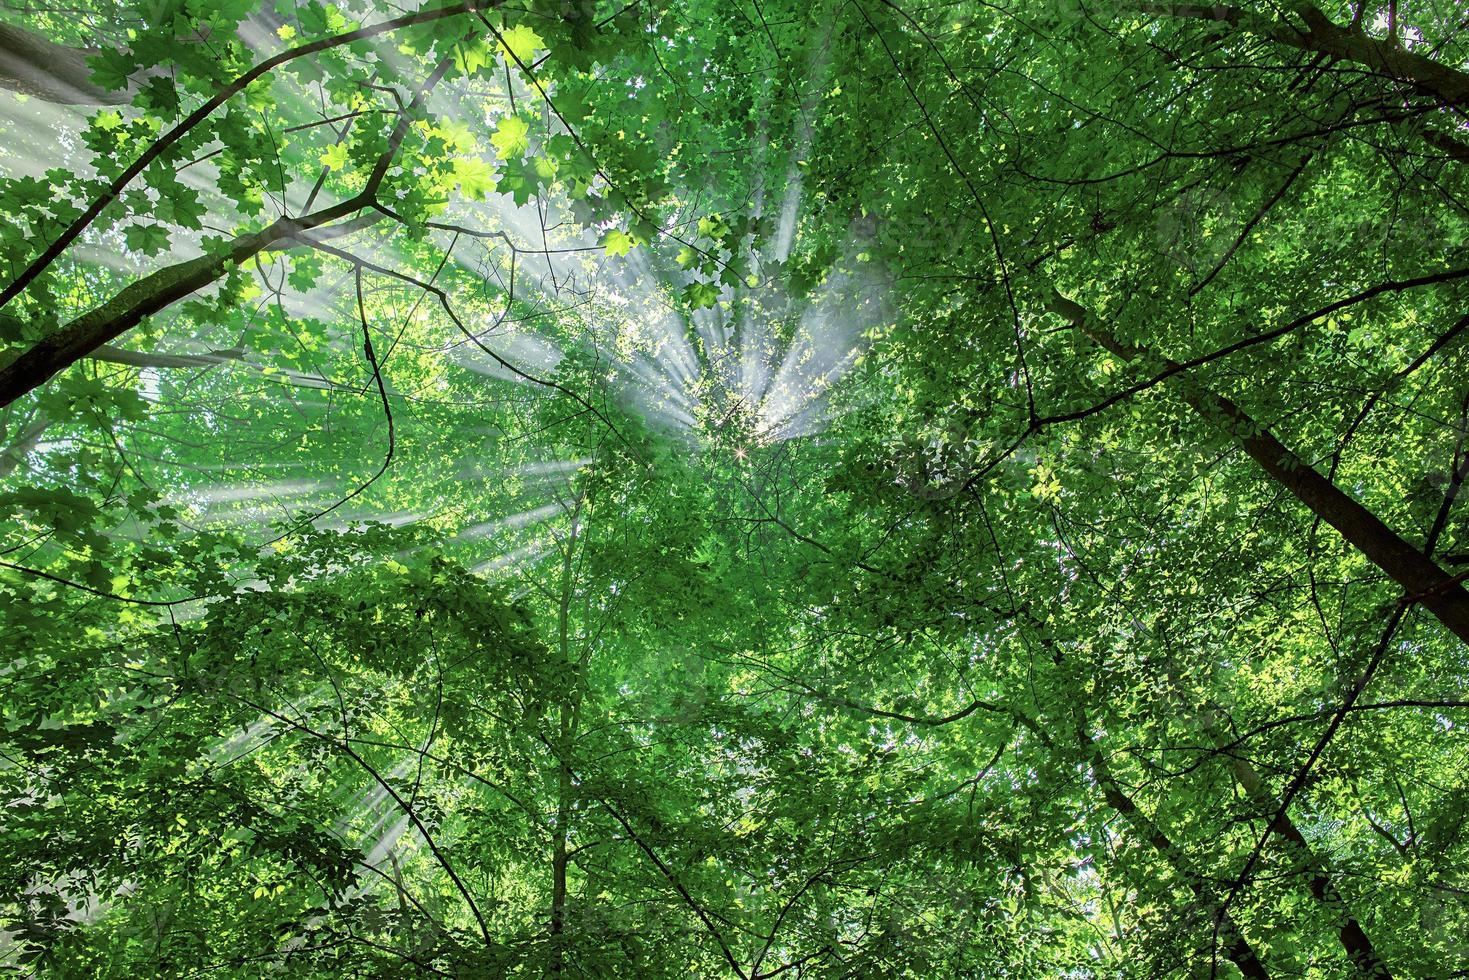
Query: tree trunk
x,y
1426,583
558,851
1235,945
1353,938
1321,36
569,712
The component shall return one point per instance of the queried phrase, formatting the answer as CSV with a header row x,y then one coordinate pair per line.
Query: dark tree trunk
x,y
1421,578
1354,939
1322,36
1236,947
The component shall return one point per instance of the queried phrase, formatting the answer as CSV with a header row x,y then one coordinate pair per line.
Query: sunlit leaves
x,y
617,242
473,55
511,136
521,43
713,226
832,541
334,157
475,177
315,18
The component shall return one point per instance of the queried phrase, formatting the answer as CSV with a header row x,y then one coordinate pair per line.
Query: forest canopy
x,y
734,488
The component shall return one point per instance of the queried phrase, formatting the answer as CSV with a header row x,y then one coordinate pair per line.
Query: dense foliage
x,y
850,488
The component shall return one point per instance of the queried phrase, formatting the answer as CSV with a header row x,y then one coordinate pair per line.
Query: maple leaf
x,y
147,239
476,178
701,294
617,242
335,156
521,43
110,68
523,178
510,136
472,56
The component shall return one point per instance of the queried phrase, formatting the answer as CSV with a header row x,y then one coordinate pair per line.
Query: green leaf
x,y
160,96
305,268
617,242
699,295
475,177
522,43
147,239
181,206
473,55
226,13
510,136
111,68
334,157
523,178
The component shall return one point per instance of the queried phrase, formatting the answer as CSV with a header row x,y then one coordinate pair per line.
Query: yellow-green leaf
x,y
522,43
510,137
617,242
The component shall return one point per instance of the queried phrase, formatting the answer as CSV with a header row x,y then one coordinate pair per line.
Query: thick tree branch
x,y
1321,36
31,65
1236,946
90,331
229,91
147,296
1423,580
1354,939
